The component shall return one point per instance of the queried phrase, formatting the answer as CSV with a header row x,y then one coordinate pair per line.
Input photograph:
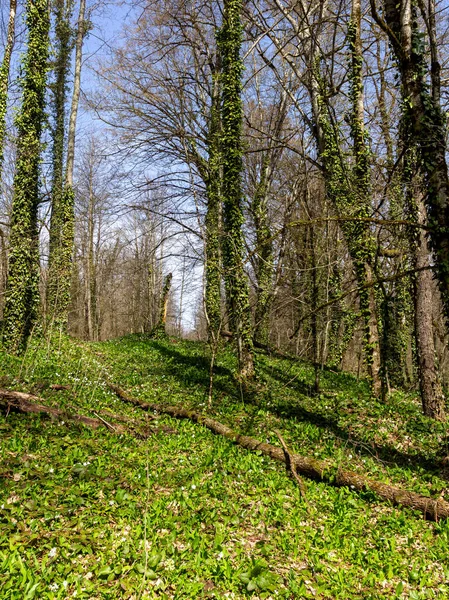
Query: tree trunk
x,y
230,41
64,227
264,256
349,192
423,134
90,283
212,299
432,396
4,76
264,249
364,249
22,293
160,329
423,121
58,286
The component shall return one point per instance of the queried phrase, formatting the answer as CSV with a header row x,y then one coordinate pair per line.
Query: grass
x,y
185,514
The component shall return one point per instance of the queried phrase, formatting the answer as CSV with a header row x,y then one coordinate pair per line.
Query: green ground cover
x,y
183,513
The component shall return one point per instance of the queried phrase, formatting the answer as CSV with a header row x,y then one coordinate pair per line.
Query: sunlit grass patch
x,y
186,514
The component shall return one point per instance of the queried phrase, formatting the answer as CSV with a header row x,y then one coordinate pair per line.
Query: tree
x,y
22,292
57,305
423,145
423,121
63,197
4,75
229,42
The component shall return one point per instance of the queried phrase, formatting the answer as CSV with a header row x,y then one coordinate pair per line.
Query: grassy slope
x,y
91,514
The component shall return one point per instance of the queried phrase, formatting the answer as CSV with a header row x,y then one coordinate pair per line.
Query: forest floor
x,y
162,508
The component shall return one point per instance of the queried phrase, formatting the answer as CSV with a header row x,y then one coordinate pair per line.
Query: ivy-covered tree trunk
x,y
264,256
423,137
91,269
343,320
61,259
349,191
4,75
22,292
214,178
58,288
229,41
423,121
362,242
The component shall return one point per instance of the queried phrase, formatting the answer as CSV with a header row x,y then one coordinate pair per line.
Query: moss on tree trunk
x,y
230,40
22,292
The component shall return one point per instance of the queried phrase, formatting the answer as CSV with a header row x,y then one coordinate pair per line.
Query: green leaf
x,y
104,572
244,577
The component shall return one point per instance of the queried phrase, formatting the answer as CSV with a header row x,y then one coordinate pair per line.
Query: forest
x,y
224,299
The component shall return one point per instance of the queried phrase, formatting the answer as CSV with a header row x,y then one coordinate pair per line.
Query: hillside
x,y
147,506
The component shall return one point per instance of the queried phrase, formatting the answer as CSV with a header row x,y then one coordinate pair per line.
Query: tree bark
x,y
61,259
59,263
160,329
349,191
22,293
264,256
423,122
214,182
90,270
28,403
4,76
432,397
364,249
229,41
71,134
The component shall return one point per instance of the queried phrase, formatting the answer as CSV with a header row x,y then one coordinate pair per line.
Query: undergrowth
x,y
185,514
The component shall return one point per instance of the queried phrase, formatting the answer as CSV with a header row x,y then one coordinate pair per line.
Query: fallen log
x,y
28,403
320,470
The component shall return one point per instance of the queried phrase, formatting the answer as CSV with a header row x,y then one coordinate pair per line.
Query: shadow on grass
x,y
384,453
194,370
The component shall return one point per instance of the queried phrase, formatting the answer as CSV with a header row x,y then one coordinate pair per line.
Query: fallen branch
x,y
289,463
108,425
320,470
28,403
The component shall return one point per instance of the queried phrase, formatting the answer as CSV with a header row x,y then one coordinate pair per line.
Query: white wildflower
x,y
52,553
53,587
